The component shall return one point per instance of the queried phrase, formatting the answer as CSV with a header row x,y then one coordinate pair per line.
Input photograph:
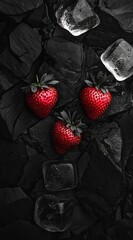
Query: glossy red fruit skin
x,y
64,138
42,101
95,102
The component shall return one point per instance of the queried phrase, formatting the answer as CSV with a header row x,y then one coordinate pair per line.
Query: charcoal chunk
x,y
15,112
24,49
17,7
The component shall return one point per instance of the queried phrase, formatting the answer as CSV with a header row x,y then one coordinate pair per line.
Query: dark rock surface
x,y
24,49
15,112
15,7
39,137
13,159
32,43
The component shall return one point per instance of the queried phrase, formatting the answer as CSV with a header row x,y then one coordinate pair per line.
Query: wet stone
x,y
24,49
15,112
17,7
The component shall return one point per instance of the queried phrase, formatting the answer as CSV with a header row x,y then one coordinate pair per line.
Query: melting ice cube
x,y
59,176
77,18
53,213
118,59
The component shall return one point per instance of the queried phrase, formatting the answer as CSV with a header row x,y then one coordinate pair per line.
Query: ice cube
x,y
118,59
59,176
77,17
53,213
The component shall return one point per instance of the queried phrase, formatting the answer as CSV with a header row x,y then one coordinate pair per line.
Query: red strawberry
x,y
67,132
96,99
42,96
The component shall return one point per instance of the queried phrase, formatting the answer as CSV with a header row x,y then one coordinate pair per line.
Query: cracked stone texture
x,y
67,59
15,7
109,140
101,176
32,171
7,80
13,159
29,44
39,137
24,48
15,112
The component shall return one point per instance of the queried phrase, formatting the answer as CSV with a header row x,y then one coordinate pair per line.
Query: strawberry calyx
x,y
103,82
46,81
72,121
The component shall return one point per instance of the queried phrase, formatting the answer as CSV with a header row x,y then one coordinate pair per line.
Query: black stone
x,y
39,137
16,205
101,176
67,59
18,7
11,195
7,80
109,138
59,176
24,49
12,160
120,103
22,229
35,17
39,189
32,171
15,112
82,164
73,155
